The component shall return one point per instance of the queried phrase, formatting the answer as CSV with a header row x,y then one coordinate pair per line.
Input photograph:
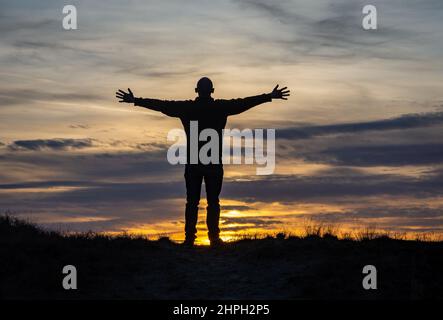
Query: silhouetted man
x,y
209,113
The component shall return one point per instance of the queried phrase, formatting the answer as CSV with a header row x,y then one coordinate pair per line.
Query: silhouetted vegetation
x,y
319,265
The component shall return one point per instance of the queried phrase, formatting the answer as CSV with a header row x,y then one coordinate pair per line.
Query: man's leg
x,y
193,178
213,182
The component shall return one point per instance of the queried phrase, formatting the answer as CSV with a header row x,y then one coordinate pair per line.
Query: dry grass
x,y
322,263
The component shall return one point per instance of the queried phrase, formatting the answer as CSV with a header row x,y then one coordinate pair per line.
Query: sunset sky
x,y
359,142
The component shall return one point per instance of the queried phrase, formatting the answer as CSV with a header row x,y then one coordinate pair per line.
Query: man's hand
x,y
280,93
125,97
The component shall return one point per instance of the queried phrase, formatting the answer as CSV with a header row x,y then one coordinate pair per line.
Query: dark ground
x,y
31,263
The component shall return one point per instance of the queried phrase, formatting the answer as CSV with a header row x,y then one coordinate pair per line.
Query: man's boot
x,y
189,241
216,241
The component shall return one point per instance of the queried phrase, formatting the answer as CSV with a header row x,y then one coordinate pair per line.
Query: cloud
x,y
141,175
399,218
381,155
79,126
332,187
407,121
50,144
6,25
159,201
327,30
122,192
386,211
27,96
143,188
235,207
257,222
97,166
38,45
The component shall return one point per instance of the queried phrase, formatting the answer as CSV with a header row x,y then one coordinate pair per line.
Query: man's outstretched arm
x,y
236,106
170,108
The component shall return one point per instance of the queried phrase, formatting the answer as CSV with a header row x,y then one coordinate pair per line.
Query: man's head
x,y
204,87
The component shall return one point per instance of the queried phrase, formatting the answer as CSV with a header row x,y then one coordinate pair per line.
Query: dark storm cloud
x,y
50,144
407,121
